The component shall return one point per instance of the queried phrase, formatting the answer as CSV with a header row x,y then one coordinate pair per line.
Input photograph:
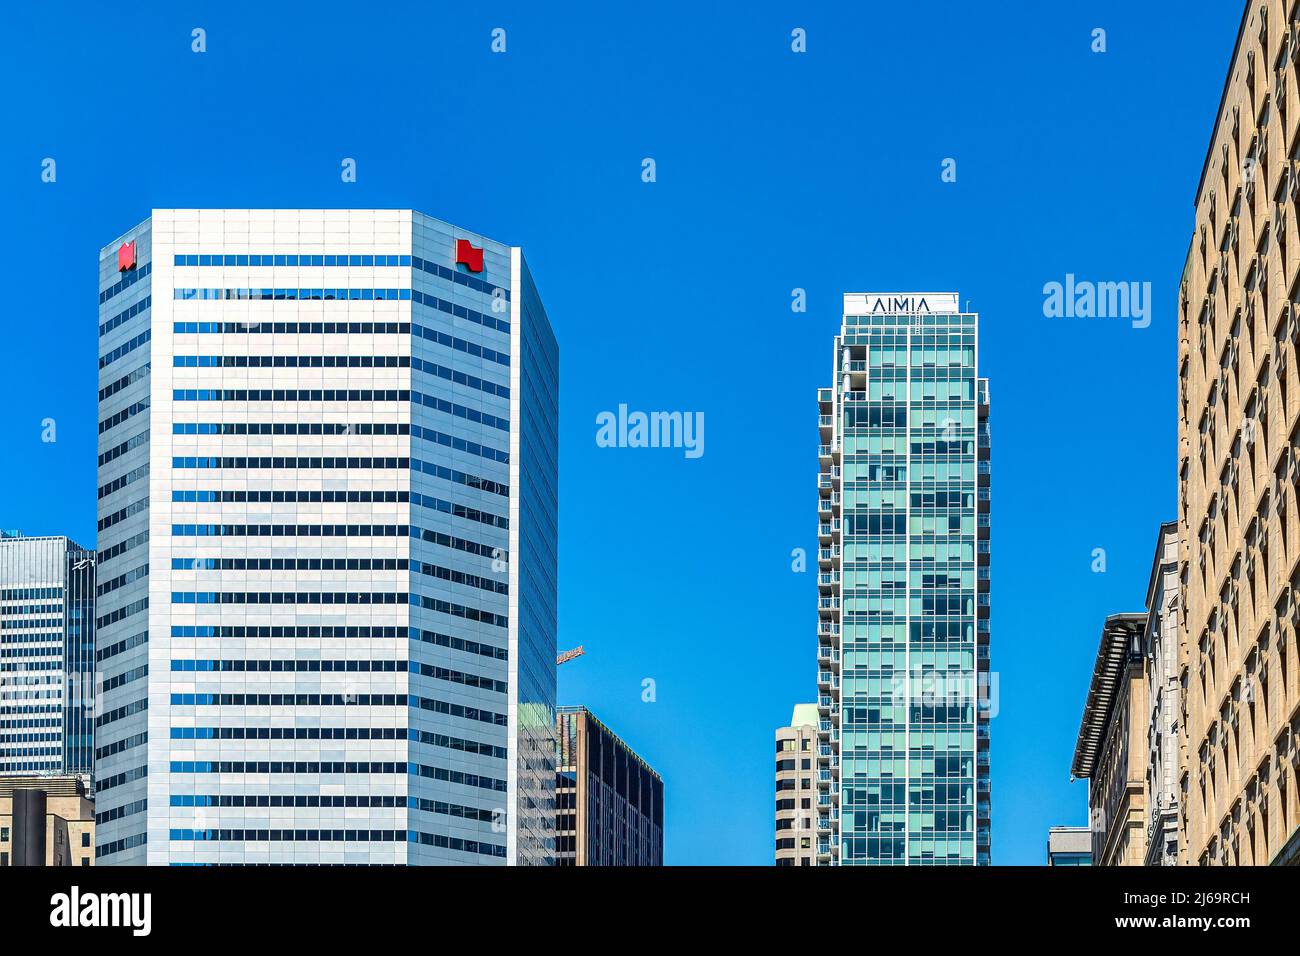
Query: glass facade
x,y
904,589
609,802
533,578
336,643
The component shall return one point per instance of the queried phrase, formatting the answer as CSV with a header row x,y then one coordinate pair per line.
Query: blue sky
x,y
775,170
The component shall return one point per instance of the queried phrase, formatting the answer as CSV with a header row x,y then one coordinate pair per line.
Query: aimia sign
x,y
901,303
898,303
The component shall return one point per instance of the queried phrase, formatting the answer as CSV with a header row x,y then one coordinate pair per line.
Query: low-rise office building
x,y
1111,751
1165,841
1069,846
46,821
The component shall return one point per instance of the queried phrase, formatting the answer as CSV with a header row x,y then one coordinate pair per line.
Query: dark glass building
x,y
609,802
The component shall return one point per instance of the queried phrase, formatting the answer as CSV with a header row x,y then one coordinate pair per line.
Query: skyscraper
x,y
328,495
47,655
609,801
904,696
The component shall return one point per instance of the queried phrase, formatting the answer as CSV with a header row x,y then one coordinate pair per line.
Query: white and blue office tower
x,y
904,690
328,476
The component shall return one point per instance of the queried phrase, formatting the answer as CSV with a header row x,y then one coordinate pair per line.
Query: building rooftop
x,y
805,715
1069,840
580,709
54,785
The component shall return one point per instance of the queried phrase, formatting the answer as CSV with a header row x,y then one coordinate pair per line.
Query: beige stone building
x,y
1239,459
1161,647
798,794
46,821
1111,751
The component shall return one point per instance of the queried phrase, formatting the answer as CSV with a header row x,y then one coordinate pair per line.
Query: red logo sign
x,y
469,256
126,256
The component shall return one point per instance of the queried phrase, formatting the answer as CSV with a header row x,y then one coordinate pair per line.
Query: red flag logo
x,y
469,256
126,256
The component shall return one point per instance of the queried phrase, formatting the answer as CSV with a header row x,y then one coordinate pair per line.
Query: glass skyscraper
x,y
328,470
47,655
904,696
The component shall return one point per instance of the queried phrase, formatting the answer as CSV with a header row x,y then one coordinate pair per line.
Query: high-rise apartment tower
x,y
904,699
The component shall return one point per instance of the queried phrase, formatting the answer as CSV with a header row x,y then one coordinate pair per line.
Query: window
x,y
85,861
85,839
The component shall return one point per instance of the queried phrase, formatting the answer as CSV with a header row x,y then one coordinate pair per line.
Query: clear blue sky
x,y
775,171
